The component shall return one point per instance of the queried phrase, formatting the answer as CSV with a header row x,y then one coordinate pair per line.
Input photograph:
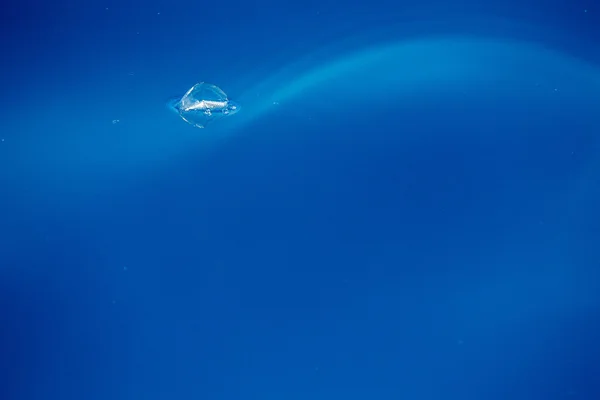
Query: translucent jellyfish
x,y
203,104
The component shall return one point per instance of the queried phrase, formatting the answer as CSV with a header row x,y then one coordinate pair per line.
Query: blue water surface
x,y
406,206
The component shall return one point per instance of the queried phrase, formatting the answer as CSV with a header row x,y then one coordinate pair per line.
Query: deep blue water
x,y
406,207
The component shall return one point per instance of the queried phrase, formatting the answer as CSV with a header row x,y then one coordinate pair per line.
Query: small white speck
x,y
157,13
584,11
275,103
2,139
556,89
115,121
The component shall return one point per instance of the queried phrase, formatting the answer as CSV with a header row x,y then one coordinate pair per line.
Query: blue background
x,y
406,207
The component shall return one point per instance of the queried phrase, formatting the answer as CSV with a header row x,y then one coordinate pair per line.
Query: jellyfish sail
x,y
202,104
